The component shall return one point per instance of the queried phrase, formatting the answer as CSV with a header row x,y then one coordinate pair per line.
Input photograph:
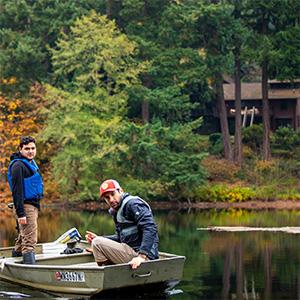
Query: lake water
x,y
219,265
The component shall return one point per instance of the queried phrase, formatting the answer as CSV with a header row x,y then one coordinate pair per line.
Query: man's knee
x,y
97,241
100,246
100,243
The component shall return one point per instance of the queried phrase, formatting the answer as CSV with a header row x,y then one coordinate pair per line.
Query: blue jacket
x,y
25,182
135,226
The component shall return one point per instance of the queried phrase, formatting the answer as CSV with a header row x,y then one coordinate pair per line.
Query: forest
x,y
125,89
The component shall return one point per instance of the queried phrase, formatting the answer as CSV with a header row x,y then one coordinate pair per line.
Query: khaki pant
x,y
27,238
106,250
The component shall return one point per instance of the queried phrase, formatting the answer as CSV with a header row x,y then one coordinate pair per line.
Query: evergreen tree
x,y
85,114
241,34
28,29
87,119
209,28
271,21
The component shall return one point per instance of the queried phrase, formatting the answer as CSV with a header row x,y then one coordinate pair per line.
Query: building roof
x,y
252,91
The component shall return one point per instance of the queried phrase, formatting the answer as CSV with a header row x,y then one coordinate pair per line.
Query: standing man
x,y
136,237
26,185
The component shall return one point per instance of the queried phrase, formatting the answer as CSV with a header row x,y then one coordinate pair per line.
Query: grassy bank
x,y
277,179
225,182
256,180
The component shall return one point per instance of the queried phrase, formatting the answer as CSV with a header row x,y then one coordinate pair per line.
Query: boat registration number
x,y
70,276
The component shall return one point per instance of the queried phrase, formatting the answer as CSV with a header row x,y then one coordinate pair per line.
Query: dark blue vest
x,y
128,230
33,185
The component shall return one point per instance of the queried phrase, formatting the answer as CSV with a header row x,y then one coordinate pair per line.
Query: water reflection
x,y
220,265
11,291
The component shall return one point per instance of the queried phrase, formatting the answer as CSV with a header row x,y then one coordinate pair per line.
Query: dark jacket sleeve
x,y
142,215
113,237
17,174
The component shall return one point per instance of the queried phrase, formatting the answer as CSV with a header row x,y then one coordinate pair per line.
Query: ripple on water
x,y
13,295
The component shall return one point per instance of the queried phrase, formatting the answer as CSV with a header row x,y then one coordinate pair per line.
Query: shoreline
x,y
172,205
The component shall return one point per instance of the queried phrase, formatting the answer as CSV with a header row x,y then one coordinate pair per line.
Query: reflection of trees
x,y
49,224
233,254
268,271
53,223
298,286
227,272
239,270
253,261
227,265
234,217
7,228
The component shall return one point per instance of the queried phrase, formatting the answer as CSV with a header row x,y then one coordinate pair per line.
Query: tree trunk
x,y
147,82
223,118
109,8
145,112
238,118
265,101
113,8
147,79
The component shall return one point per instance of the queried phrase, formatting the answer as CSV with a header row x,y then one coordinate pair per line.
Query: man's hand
x,y
90,236
22,221
136,261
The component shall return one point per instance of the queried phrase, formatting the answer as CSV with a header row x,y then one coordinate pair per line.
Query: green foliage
x,y
178,66
285,141
166,159
170,105
224,193
96,54
252,136
28,28
84,121
220,169
141,19
285,138
275,26
82,129
94,141
168,54
23,49
216,146
273,178
286,57
178,24
216,27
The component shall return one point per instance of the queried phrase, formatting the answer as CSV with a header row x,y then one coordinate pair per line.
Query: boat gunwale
x,y
17,262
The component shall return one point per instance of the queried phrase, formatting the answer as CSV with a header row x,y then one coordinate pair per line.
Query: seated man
x,y
136,237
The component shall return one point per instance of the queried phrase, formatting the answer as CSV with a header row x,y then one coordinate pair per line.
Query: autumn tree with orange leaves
x,y
19,116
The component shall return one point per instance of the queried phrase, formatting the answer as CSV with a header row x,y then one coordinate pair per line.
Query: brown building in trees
x,y
284,102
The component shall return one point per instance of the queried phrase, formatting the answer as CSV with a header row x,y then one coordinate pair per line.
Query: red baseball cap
x,y
109,185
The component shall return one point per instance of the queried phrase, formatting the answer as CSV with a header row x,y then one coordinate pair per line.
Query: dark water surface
x,y
219,265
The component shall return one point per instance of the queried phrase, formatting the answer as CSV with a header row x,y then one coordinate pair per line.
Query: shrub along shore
x,y
254,185
130,90
257,179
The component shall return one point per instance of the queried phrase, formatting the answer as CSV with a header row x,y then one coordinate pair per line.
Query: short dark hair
x,y
25,140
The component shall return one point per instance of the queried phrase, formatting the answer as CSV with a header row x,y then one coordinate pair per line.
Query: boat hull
x,y
79,274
